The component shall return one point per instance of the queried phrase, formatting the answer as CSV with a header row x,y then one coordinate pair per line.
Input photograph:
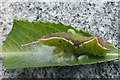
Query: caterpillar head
x,y
72,32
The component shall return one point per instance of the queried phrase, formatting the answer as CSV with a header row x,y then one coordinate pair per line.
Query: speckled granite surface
x,y
98,18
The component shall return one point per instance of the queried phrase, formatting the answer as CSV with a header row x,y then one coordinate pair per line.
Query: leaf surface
x,y
15,56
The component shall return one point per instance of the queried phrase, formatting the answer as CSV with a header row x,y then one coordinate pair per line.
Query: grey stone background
x,y
97,18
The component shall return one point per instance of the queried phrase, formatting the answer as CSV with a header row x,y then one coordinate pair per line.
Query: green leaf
x,y
15,56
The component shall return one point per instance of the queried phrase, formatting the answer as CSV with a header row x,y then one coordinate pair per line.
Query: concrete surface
x,y
98,18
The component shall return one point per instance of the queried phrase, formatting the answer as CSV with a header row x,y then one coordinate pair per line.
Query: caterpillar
x,y
75,43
